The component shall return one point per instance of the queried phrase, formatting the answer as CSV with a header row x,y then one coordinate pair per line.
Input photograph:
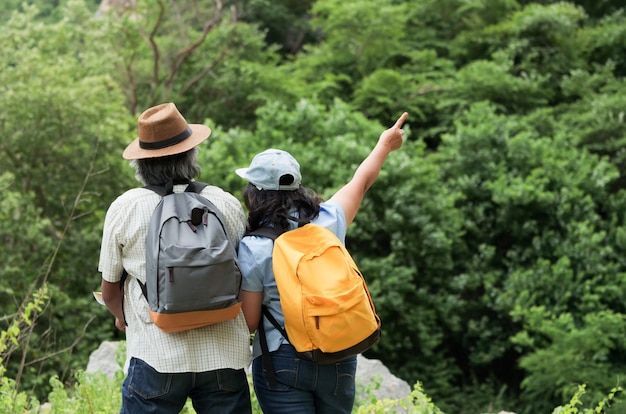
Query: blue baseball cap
x,y
268,167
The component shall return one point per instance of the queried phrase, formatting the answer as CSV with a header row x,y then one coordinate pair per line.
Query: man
x,y
164,369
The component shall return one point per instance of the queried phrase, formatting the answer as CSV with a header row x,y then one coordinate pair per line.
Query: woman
x,y
274,197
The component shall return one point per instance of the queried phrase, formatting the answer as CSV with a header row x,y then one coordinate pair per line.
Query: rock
x,y
104,359
372,371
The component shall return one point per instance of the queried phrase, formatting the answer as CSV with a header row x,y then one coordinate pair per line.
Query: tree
x,y
287,22
197,54
493,243
64,125
539,252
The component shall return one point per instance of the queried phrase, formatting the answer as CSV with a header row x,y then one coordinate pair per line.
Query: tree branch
x,y
210,67
184,53
155,51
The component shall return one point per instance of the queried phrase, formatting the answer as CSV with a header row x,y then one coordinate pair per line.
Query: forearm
x,y
113,297
390,140
350,196
369,169
251,306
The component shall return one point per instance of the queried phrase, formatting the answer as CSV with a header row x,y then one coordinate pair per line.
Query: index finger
x,y
401,120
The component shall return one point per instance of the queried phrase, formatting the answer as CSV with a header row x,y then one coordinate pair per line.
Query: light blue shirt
x,y
255,261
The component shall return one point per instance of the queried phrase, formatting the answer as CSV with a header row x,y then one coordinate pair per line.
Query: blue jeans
x,y
305,387
147,391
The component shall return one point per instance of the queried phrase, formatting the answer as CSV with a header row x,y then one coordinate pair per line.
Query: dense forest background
x,y
493,242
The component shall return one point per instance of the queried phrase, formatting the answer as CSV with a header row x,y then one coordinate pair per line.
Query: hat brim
x,y
242,172
199,133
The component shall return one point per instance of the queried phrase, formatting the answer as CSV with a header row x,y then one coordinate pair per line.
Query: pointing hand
x,y
394,136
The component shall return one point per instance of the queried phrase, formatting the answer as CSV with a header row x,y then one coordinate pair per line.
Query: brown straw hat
x,y
164,131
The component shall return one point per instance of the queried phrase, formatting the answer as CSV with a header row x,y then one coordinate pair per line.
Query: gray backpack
x,y
192,275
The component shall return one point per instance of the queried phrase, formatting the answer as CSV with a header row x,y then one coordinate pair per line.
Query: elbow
x,y
111,292
108,297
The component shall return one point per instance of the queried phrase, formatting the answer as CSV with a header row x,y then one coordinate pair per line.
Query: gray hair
x,y
158,171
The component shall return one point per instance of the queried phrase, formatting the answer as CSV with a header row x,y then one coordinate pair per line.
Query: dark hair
x,y
277,206
158,171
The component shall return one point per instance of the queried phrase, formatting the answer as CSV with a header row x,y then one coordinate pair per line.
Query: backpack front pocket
x,y
339,322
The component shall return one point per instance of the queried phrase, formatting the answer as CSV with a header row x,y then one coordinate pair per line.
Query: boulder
x,y
371,373
104,359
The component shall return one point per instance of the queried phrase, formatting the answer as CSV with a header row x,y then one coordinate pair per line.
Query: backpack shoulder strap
x,y
162,190
122,283
274,232
265,353
122,289
168,187
269,232
196,187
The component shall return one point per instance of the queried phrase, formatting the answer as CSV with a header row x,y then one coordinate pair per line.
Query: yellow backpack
x,y
328,310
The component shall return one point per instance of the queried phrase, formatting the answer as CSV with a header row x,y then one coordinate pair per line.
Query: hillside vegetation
x,y
493,243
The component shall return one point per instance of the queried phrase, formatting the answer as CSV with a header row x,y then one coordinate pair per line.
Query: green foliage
x,y
415,403
93,393
493,81
25,247
438,22
11,337
286,21
594,339
197,54
49,11
360,38
11,398
539,39
602,41
603,406
493,242
365,47
535,234
597,9
14,401
595,120
63,125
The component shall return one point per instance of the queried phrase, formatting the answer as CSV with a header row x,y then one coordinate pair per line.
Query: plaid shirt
x,y
223,345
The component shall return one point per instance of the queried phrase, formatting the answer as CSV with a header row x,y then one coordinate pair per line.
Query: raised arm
x,y
351,195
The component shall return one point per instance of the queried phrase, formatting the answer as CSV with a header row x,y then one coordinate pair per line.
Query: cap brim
x,y
242,172
199,133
